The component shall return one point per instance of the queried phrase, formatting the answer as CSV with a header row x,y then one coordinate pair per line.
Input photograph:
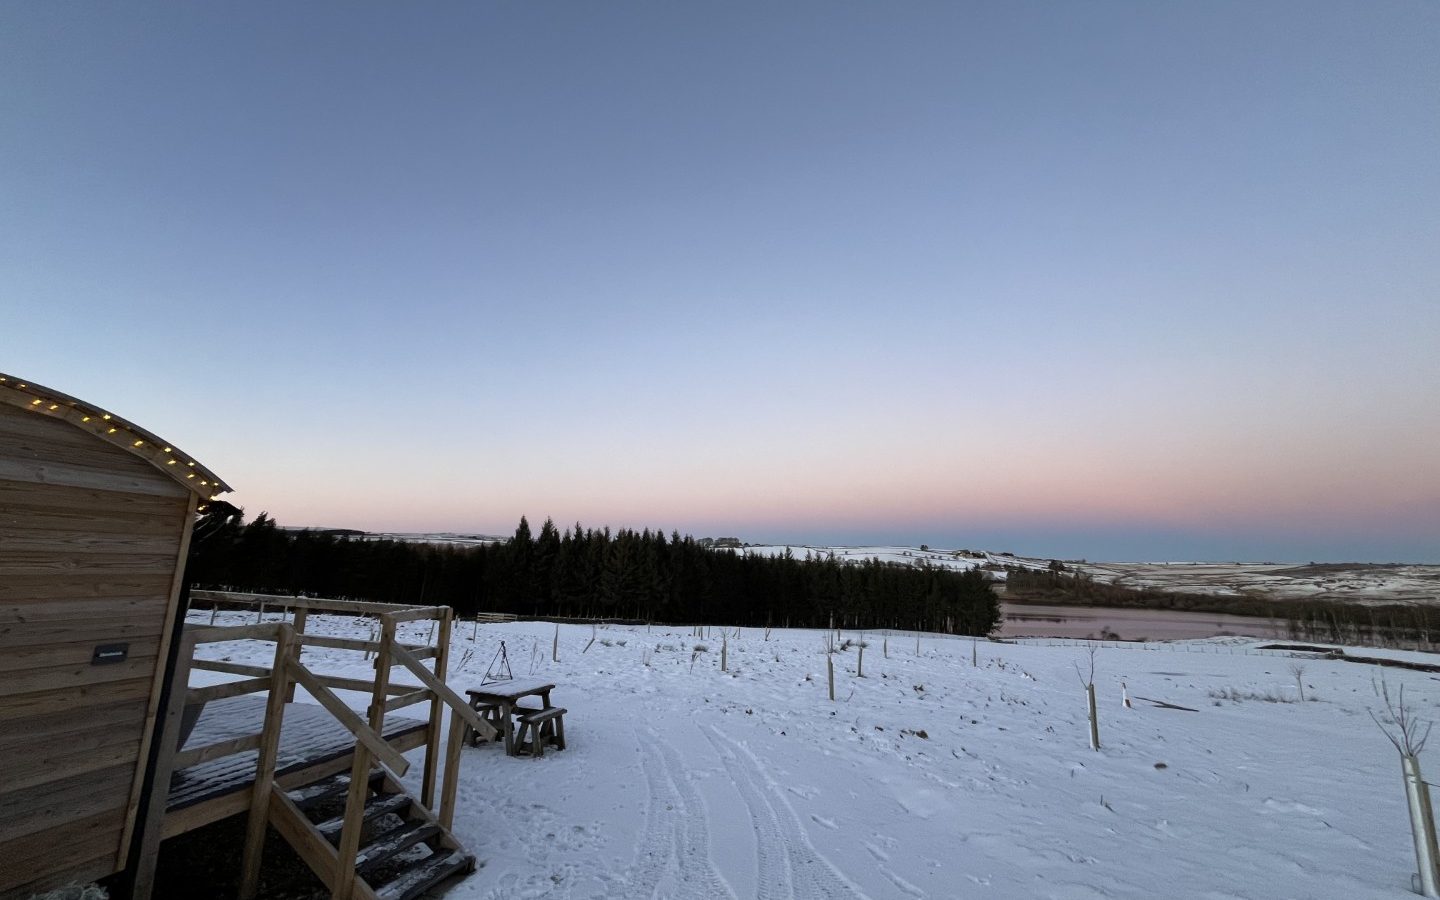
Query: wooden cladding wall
x,y
90,540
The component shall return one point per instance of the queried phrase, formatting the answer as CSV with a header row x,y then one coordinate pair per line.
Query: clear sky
x,y
1105,280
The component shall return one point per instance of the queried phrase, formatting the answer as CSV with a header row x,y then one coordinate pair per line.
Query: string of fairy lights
x,y
115,430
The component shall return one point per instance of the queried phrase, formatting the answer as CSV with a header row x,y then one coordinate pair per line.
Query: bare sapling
x,y
724,652
214,610
1408,735
591,641
1088,682
430,641
260,613
974,654
830,674
475,632
555,645
917,645
860,661
699,649
1298,671
885,646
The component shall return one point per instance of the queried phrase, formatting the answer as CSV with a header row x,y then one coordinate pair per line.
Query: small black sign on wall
x,y
109,653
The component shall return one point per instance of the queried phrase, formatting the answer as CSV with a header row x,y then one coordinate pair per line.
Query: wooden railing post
x,y
300,615
360,770
169,738
432,732
265,764
451,782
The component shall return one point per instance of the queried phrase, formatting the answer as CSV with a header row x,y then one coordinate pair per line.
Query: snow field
x,y
689,782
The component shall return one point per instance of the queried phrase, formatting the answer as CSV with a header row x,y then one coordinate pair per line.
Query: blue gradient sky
x,y
1124,281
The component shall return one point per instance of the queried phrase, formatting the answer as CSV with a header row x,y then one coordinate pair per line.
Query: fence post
x,y
1422,825
830,673
1094,717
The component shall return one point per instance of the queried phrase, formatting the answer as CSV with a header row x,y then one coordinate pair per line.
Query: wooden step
x,y
333,788
393,842
375,807
425,875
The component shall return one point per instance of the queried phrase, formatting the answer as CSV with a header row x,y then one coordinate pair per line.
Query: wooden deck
x,y
313,744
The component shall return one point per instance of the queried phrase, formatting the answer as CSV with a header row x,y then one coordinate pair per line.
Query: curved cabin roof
x,y
114,430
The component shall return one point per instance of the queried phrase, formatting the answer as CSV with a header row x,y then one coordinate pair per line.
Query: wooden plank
x,y
451,782
230,668
78,870
69,653
47,612
260,631
38,808
92,506
194,756
34,857
85,585
55,473
167,725
339,643
265,766
52,678
403,700
51,767
62,727
89,696
19,635
228,689
28,539
295,827
50,562
95,454
432,743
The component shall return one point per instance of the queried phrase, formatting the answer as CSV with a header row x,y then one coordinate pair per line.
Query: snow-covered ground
x,y
929,776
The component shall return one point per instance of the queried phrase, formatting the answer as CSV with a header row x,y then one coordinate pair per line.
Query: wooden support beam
x,y
229,668
482,727
432,732
451,782
265,767
226,689
169,737
194,757
356,725
409,699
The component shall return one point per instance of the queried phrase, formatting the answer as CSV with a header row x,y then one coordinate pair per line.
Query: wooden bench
x,y
541,727
491,713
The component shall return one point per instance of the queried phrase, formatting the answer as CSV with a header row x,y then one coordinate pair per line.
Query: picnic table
x,y
505,696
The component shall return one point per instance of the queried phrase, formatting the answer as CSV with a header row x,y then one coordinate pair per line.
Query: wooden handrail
x,y
226,689
261,631
443,691
357,726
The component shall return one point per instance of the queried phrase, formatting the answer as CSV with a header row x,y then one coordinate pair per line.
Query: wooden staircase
x,y
404,850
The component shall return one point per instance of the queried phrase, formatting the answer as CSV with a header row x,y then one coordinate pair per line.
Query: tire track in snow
x,y
692,838
796,869
676,841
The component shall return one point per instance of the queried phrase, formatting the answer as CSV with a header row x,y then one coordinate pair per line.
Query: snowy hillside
x,y
930,776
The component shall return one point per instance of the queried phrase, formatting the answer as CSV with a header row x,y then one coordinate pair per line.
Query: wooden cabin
x,y
95,519
106,749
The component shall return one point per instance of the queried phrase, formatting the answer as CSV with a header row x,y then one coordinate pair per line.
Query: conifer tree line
x,y
590,573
